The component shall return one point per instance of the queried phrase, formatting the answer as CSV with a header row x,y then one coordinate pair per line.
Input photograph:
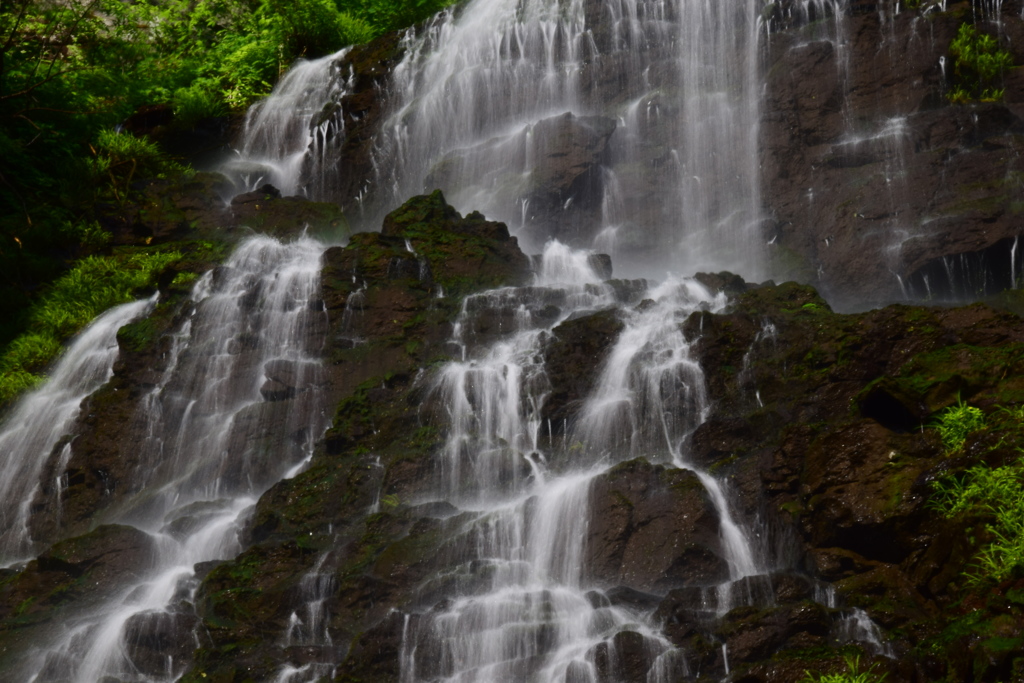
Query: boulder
x,y
652,528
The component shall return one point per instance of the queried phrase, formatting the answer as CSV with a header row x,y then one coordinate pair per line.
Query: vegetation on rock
x,y
73,73
853,674
956,423
95,284
978,66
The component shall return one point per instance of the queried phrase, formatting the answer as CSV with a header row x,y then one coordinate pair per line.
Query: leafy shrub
x,y
199,101
120,157
978,63
355,30
956,423
311,28
248,68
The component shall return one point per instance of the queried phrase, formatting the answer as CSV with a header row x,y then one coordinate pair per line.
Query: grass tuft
x,y
997,493
853,674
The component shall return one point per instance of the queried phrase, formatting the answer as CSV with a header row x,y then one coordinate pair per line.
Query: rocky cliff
x,y
822,428
878,187
875,186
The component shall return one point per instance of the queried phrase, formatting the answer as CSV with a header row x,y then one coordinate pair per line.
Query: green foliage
x,y
853,674
309,27
978,64
956,423
389,15
72,71
199,101
94,285
120,158
997,493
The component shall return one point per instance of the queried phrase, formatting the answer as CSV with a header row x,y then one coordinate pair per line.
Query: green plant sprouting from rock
x,y
956,423
997,493
853,674
978,66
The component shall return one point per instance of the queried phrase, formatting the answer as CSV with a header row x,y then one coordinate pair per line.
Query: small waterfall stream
x,y
280,131
42,418
244,359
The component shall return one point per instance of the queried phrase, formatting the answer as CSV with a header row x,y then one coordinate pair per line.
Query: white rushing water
x,y
471,94
532,615
482,92
42,418
472,107
245,361
282,131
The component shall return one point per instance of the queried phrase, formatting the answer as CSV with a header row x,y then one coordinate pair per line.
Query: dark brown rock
x,y
574,355
652,528
193,207
76,574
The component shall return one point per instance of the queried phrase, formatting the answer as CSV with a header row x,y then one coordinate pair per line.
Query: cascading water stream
x,y
486,93
43,417
307,626
244,363
524,610
650,397
284,129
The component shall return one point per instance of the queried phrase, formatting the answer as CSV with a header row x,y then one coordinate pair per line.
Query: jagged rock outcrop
x,y
652,528
387,321
823,422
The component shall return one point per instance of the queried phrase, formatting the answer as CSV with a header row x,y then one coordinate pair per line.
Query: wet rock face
x,y
571,366
822,425
368,67
874,182
562,187
73,574
197,207
652,528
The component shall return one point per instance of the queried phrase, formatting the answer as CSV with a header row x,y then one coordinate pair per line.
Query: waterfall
x,y
479,99
244,362
525,609
570,119
482,99
282,130
44,416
